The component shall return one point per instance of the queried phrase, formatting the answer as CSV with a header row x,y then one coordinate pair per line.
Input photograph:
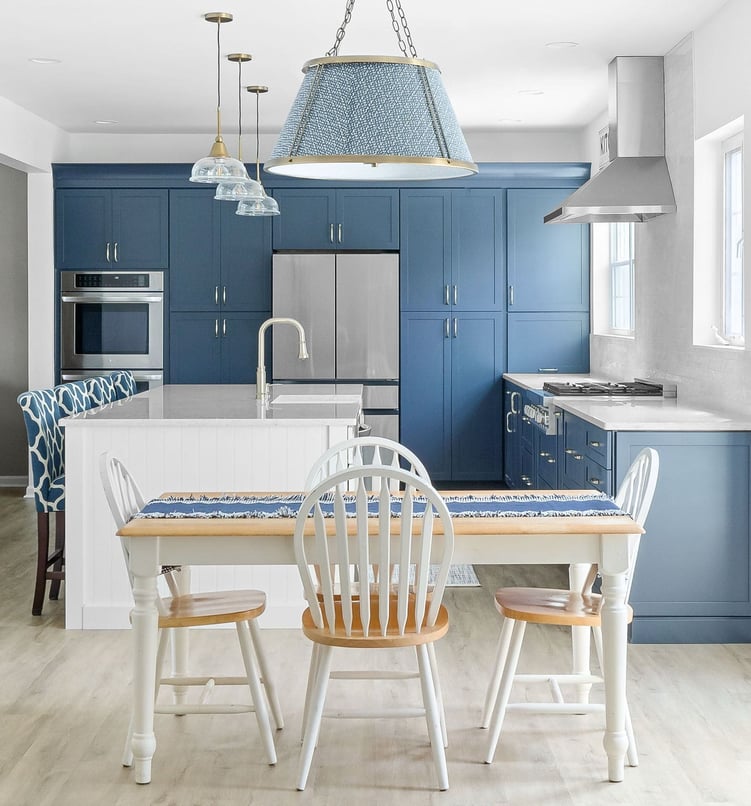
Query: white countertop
x,y
230,404
637,414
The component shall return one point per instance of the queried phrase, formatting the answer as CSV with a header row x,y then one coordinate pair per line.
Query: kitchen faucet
x,y
262,391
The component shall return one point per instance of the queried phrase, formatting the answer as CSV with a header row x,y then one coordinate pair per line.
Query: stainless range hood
x,y
635,184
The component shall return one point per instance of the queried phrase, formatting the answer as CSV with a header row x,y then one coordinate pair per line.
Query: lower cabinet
x,y
206,347
451,369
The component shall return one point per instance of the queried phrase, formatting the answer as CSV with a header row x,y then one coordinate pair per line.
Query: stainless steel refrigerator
x,y
349,307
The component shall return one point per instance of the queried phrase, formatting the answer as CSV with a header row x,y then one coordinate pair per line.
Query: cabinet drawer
x,y
588,440
574,468
547,461
598,477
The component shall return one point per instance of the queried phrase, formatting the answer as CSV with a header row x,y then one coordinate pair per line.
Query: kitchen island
x,y
184,437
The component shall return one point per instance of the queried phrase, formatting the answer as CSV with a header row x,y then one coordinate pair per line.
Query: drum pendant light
x,y
264,205
372,117
218,166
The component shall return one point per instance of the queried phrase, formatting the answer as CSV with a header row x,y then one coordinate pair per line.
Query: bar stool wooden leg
x,y
43,545
59,547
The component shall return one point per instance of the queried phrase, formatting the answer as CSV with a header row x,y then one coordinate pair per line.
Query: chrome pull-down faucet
x,y
262,391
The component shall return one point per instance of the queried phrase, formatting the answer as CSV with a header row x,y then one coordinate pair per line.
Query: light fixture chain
x,y
401,26
334,51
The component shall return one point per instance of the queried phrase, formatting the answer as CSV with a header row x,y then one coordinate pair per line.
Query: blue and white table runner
x,y
527,505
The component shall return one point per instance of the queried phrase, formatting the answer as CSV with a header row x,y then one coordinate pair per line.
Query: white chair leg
x,y
127,751
507,681
438,692
313,726
632,752
312,670
266,679
433,717
256,690
491,696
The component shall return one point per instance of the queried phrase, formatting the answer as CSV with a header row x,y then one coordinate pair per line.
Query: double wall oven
x,y
112,320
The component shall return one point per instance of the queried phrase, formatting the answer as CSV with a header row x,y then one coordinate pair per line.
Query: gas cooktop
x,y
632,388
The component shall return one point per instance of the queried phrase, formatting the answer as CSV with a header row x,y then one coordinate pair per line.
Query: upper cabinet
x,y
452,250
111,229
325,220
548,264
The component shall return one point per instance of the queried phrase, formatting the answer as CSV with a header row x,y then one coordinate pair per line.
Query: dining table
x,y
570,527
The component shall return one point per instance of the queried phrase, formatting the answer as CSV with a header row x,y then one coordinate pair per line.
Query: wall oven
x,y
145,379
111,321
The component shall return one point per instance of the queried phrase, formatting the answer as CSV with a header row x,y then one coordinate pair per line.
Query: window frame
x,y
614,266
731,276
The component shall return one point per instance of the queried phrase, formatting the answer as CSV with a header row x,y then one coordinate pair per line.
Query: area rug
x,y
463,576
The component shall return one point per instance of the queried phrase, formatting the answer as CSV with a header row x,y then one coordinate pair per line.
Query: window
x,y
621,263
732,264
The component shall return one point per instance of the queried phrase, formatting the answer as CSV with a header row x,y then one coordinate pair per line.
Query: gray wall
x,y
13,322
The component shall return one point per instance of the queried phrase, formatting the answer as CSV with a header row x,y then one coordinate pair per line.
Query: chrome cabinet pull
x,y
115,252
508,427
511,295
456,295
107,252
216,328
596,482
547,369
594,444
446,323
569,451
445,295
550,461
216,295
456,327
339,233
331,233
224,327
544,453
224,295
518,394
578,457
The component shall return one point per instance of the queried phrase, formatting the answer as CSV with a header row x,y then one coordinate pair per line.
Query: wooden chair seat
x,y
551,606
202,609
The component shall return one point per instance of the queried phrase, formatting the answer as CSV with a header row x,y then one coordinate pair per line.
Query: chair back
x,y
101,390
361,451
41,414
353,530
72,398
124,383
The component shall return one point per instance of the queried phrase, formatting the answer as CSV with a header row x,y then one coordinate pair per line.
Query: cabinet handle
x,y
224,327
456,327
115,252
446,323
518,394
596,482
510,295
107,252
216,295
547,369
331,233
224,295
508,427
544,453
578,457
445,295
550,461
569,451
216,328
339,233
594,444
456,295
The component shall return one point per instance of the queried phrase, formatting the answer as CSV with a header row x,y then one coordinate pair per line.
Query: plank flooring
x,y
64,705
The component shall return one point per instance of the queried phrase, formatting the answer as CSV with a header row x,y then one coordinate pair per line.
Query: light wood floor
x,y
65,696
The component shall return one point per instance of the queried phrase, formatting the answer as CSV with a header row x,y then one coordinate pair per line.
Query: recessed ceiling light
x,y
561,44
531,92
106,122
44,60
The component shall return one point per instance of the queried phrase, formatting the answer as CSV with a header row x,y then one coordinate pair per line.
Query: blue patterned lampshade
x,y
371,118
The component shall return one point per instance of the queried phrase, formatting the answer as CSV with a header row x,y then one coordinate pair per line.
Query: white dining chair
x,y
199,610
350,530
547,606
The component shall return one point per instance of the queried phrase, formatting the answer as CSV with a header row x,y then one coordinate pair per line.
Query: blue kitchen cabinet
x,y
451,370
452,255
512,414
548,342
106,229
548,264
339,219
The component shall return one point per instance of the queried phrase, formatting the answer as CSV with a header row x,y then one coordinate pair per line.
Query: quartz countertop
x,y
230,404
637,413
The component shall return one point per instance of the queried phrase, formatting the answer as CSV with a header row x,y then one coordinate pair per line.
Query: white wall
x,y
696,73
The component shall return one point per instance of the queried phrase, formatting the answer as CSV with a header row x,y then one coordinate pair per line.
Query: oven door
x,y
111,330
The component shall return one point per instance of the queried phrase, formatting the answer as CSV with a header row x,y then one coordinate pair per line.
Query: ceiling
x,y
150,65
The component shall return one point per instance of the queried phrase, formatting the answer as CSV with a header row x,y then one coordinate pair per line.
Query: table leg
x,y
580,646
145,619
614,644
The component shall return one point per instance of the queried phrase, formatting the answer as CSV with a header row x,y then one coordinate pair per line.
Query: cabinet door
x,y
307,219
548,342
239,345
195,347
477,361
140,228
245,261
548,264
194,277
512,402
477,250
425,266
367,219
425,409
83,229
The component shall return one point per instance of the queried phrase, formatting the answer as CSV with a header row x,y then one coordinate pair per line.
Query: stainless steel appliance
x,y
349,307
145,379
111,320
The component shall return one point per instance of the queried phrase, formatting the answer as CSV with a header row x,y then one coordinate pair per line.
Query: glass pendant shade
x,y
234,190
371,118
258,207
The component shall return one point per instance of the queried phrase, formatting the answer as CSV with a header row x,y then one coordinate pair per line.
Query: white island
x,y
200,438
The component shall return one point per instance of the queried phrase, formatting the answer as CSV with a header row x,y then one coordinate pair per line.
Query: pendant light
x,y
218,166
264,205
372,117
238,189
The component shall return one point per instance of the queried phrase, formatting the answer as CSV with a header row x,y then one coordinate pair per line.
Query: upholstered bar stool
x,y
124,383
101,390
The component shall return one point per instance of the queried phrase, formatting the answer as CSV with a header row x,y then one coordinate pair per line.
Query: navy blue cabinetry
x,y
111,229
512,408
220,288
548,342
356,219
451,368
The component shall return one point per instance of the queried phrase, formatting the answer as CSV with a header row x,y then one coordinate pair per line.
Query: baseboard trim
x,y
691,630
14,481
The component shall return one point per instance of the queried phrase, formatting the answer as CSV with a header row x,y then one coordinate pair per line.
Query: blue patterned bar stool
x,y
101,390
41,413
72,398
124,382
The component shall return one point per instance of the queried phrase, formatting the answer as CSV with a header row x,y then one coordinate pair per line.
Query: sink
x,y
313,399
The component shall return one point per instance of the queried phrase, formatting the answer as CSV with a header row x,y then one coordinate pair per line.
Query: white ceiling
x,y
151,64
